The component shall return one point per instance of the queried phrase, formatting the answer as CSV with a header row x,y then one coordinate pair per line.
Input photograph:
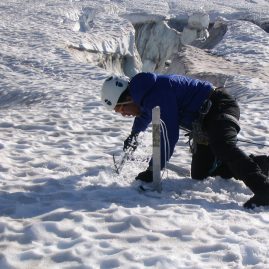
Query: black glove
x,y
131,142
146,176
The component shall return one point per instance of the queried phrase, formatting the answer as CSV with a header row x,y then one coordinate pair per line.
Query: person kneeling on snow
x,y
209,114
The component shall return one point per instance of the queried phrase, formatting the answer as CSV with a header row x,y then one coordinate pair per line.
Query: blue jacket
x,y
179,98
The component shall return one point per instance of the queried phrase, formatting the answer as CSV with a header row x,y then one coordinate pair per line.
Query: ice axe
x,y
118,165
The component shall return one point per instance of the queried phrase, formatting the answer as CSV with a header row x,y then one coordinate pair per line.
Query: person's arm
x,y
141,123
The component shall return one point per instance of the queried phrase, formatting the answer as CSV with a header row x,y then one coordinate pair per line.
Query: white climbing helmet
x,y
112,89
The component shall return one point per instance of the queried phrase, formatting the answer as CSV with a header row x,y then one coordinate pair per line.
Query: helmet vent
x,y
108,102
119,84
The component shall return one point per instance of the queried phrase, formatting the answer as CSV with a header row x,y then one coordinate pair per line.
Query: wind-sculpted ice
x,y
197,28
137,40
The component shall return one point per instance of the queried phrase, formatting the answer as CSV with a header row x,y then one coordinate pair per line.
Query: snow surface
x,y
61,204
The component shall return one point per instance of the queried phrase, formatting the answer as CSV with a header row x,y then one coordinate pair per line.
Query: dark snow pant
x,y
222,156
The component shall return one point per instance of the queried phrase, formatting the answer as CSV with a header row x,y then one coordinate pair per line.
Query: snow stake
x,y
156,149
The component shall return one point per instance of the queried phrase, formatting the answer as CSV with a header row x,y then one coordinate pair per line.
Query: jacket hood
x,y
140,85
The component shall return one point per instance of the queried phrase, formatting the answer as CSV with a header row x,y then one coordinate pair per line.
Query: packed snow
x,y
61,203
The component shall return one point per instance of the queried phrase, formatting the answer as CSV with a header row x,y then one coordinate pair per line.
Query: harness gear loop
x,y
197,134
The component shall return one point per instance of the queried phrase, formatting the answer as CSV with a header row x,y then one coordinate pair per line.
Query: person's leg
x,y
202,162
223,170
263,162
223,136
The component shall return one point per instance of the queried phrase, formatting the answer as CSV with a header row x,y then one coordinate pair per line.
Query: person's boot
x,y
259,184
247,170
259,199
145,176
262,161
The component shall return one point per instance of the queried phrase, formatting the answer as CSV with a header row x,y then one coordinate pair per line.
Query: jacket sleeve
x,y
141,123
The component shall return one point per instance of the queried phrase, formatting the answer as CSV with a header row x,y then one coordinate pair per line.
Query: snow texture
x,y
61,203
